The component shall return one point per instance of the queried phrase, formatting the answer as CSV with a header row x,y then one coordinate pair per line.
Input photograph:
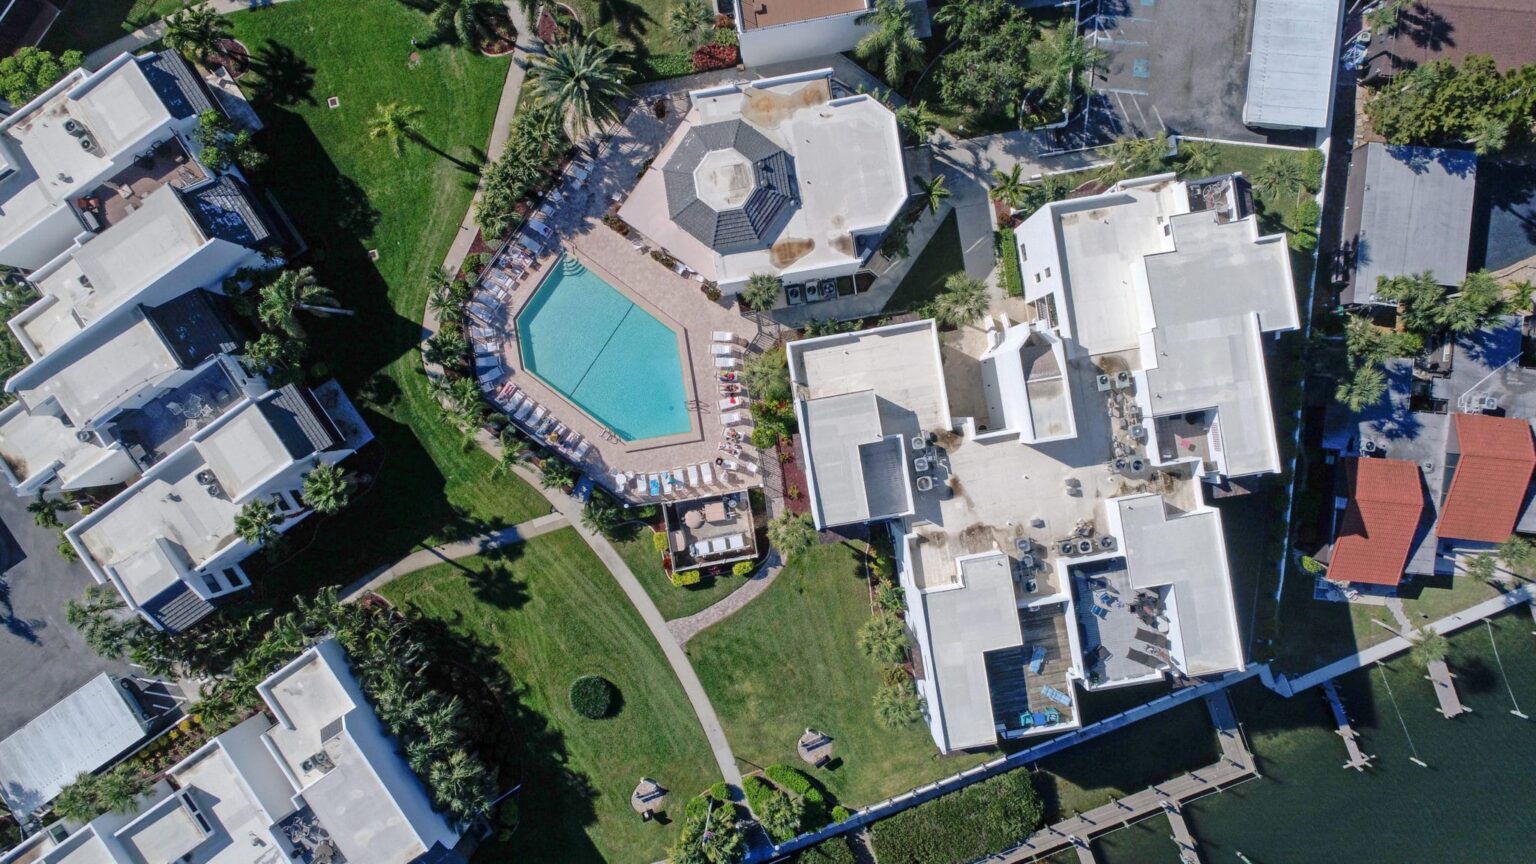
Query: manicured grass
x,y
673,602
348,194
545,616
788,661
1435,599
637,27
942,257
89,24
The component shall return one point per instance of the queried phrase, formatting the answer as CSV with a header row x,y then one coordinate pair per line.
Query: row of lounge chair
x,y
532,417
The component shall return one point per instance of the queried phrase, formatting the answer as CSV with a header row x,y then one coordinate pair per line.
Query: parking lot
x,y
1175,65
42,658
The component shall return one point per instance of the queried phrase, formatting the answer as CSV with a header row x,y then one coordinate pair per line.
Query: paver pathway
x,y
690,626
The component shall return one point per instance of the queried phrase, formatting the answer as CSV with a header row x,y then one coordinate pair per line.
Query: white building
x,y
167,543
81,151
1293,63
318,779
778,31
776,176
1048,511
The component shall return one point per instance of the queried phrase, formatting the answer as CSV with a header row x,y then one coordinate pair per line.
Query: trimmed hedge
x,y
743,568
592,696
686,578
1013,280
979,820
654,67
797,782
834,851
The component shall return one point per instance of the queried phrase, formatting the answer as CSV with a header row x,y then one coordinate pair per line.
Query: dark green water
x,y
1473,804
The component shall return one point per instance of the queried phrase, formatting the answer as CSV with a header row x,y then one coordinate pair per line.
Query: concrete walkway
x,y
447,552
684,629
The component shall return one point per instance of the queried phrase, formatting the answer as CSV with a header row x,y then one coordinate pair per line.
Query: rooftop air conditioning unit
x,y
1084,546
1490,403
924,484
87,143
1066,547
1027,561
1368,447
83,436
74,127
1137,466
1122,378
1107,543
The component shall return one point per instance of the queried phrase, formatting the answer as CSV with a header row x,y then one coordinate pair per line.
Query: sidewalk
x,y
448,552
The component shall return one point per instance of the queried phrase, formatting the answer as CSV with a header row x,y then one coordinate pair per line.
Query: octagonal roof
x,y
729,186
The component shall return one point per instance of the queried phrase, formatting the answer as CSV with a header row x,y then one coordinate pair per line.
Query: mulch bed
x,y
232,56
502,40
794,476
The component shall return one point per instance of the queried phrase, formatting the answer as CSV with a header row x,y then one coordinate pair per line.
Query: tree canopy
x,y
30,71
1441,103
988,69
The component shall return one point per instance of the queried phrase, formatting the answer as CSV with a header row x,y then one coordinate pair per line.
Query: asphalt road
x,y
42,658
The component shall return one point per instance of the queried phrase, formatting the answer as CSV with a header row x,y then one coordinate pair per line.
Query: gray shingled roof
x,y
301,424
1410,211
196,326
178,607
224,209
177,85
760,217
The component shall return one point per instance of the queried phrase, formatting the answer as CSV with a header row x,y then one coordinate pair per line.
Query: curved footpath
x,y
567,509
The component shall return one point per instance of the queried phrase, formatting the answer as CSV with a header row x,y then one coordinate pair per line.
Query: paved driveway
x,y
42,658
1180,65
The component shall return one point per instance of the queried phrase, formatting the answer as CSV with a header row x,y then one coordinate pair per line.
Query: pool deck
x,y
675,301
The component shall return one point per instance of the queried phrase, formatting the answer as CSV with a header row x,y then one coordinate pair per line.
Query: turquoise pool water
x,y
601,351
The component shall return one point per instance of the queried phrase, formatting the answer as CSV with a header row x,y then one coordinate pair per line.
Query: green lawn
x,y
941,258
550,613
674,602
349,194
90,24
788,661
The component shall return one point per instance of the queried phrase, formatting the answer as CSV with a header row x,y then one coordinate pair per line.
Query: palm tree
x,y
1364,387
1386,14
893,43
792,534
291,291
556,474
601,515
256,523
963,300
196,31
1490,134
45,511
760,294
1061,61
916,120
1129,156
689,20
1428,647
1010,189
883,638
1285,173
581,82
326,489
1198,158
897,705
932,192
92,615
465,20
396,122
460,784
514,450
1518,555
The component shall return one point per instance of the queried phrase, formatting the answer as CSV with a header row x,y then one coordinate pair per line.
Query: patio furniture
x,y
539,227
726,362
1052,715
736,542
677,477
1152,637
1027,720
725,336
714,511
648,798
1142,658
1101,613
524,412
723,350
1037,660
1056,696
538,417
530,244
731,418
655,485
581,449
815,748
730,402
693,476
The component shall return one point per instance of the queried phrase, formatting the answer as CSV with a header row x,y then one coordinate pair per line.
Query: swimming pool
x,y
610,357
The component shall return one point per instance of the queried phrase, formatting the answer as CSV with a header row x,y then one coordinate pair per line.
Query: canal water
x,y
1473,802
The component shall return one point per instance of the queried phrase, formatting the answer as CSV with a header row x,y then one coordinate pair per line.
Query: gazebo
x,y
648,799
815,748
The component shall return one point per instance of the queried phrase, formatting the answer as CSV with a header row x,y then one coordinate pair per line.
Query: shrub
x,y
658,541
655,67
781,816
841,814
833,851
797,782
1013,280
507,819
685,578
720,791
726,36
663,258
742,568
592,697
758,792
707,58
1312,565
994,814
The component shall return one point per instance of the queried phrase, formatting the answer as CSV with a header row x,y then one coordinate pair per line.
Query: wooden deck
x,y
1357,758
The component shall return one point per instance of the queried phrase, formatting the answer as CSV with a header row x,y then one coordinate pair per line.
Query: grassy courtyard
x,y
89,24
937,261
548,613
789,661
673,602
347,195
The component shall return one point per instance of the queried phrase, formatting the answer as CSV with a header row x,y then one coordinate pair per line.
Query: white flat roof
x,y
1103,241
1292,63
244,452
77,734
967,619
848,169
124,362
113,266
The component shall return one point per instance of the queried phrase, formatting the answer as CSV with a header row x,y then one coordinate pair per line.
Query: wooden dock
x,y
1357,758
1445,690
1235,766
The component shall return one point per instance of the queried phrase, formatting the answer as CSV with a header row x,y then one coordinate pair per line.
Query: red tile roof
x,y
1494,471
1376,535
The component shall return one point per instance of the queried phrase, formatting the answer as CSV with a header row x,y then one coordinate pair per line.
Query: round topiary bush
x,y
592,696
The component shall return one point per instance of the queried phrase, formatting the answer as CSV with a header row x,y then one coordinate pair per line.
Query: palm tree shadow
x,y
629,19
285,77
470,166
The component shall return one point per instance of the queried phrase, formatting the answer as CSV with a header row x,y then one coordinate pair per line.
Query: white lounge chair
x,y
731,418
524,412
726,362
581,449
725,336
538,226
677,478
693,475
708,472
732,402
736,541
538,417
723,350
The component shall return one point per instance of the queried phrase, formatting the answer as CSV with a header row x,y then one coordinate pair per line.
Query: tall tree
x,y
1419,297
1285,173
95,616
883,638
30,71
892,43
1197,158
1009,188
291,292
917,121
465,21
897,705
1363,388
326,489
690,20
963,301
256,522
932,192
196,31
760,294
396,123
792,534
1061,62
581,82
